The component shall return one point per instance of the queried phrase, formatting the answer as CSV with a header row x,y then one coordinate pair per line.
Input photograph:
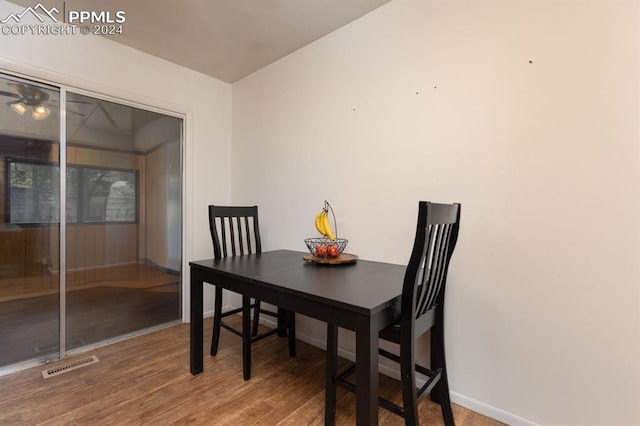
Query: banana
x,y
327,226
320,222
323,225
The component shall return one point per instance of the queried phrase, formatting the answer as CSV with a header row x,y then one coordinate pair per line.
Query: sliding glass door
x,y
29,220
121,275
112,266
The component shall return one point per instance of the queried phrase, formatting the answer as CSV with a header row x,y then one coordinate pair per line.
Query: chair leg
x,y
246,337
256,319
440,393
332,372
408,380
217,318
445,400
291,332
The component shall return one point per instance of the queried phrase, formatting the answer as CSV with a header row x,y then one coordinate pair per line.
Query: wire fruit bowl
x,y
320,247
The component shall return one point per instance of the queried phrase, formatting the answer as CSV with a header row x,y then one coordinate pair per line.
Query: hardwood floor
x,y
146,380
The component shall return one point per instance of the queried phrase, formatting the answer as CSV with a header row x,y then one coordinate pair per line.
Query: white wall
x,y
527,112
106,67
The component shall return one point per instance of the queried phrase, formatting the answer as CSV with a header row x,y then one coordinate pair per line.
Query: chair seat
x,y
391,333
421,325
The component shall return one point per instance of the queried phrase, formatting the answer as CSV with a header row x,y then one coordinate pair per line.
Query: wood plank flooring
x,y
146,381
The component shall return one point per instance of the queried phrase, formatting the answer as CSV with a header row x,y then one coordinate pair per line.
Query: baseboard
x,y
457,398
490,411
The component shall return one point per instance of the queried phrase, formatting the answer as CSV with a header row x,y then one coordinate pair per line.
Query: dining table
x,y
362,296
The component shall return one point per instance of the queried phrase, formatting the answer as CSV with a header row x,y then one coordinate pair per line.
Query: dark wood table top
x,y
363,287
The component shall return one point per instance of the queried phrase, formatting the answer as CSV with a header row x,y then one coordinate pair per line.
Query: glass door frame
x,y
62,285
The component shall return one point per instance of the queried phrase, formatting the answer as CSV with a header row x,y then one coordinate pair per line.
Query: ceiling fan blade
x,y
32,95
79,102
22,89
9,94
106,113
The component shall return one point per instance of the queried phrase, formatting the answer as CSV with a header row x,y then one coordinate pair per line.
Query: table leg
x,y
196,325
282,320
367,375
246,337
332,371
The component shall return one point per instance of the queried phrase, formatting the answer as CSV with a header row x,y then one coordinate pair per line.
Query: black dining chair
x,y
235,232
421,309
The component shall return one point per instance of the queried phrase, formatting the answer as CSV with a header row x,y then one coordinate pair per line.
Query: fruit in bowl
x,y
324,247
321,250
328,245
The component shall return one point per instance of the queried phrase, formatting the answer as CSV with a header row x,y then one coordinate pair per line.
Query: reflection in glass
x,y
109,195
123,210
121,263
29,215
34,193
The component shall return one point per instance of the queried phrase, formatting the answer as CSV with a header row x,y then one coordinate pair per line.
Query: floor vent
x,y
74,365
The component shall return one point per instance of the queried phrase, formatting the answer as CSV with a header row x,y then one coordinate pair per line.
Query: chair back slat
x,y
234,230
426,276
435,261
235,249
223,228
246,232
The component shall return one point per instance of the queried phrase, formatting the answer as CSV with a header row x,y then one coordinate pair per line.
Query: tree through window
x,y
94,195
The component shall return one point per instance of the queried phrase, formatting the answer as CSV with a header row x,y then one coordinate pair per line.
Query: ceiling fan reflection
x,y
35,99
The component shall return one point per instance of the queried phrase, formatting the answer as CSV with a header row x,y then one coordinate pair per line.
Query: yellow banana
x,y
320,222
327,226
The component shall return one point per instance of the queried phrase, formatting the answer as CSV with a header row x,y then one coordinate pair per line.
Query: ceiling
x,y
226,39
